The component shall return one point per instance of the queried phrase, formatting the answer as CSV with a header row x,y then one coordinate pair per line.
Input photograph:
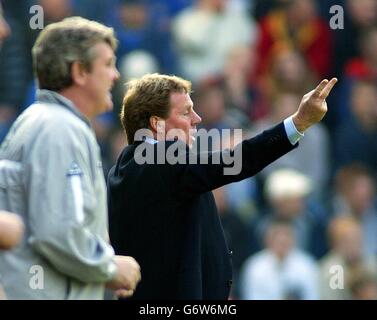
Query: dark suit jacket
x,y
165,217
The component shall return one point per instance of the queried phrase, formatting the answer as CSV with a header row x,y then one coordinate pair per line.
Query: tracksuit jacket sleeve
x,y
249,157
67,218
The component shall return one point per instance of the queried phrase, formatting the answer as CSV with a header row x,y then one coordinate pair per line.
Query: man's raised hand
x,y
313,106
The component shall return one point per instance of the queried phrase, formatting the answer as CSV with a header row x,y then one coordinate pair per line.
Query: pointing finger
x,y
320,87
326,90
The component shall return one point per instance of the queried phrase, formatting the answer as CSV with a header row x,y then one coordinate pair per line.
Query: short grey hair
x,y
62,43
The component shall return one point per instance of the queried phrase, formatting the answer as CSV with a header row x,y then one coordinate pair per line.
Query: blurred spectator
x,y
280,271
99,10
363,12
56,10
297,26
260,8
136,64
111,139
205,33
137,28
4,27
53,11
287,191
117,143
240,5
288,73
19,11
168,8
15,71
359,16
312,157
345,236
210,104
363,285
355,139
361,68
244,99
364,66
236,234
356,196
102,126
132,65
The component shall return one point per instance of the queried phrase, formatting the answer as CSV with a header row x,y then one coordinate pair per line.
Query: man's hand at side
x,y
11,230
313,106
127,277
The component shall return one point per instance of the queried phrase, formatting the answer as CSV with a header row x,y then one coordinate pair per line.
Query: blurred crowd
x,y
250,62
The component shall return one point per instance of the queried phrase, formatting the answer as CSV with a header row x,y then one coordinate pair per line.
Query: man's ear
x,y
153,123
157,125
78,73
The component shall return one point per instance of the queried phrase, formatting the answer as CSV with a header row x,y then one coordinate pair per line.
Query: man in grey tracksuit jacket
x,y
55,181
51,174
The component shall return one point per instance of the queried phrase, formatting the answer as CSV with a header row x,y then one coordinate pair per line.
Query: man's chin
x,y
109,106
191,141
109,102
106,107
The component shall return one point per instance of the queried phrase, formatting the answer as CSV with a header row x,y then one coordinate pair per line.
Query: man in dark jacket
x,y
161,208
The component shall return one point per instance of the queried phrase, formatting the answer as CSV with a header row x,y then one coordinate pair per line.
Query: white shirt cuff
x,y
292,133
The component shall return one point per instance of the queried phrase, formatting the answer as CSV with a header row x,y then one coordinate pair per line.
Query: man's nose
x,y
196,119
116,74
